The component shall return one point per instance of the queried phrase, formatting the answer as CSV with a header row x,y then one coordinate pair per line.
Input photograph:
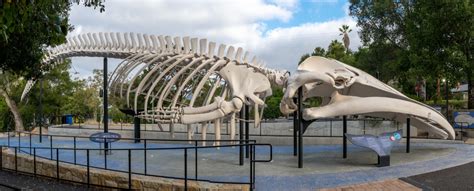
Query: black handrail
x,y
330,120
252,144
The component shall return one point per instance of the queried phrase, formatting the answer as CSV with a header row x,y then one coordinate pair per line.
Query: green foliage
x,y
417,39
302,58
272,108
26,27
336,50
61,95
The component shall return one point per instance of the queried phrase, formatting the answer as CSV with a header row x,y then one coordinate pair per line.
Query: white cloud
x,y
238,23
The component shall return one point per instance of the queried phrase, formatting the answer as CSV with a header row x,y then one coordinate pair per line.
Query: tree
x,y
345,35
272,104
26,28
318,51
440,37
9,83
336,50
303,57
430,39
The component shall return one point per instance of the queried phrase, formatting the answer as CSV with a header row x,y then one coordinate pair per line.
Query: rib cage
x,y
159,74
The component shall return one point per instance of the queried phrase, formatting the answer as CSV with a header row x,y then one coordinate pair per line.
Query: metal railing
x,y
334,130
32,151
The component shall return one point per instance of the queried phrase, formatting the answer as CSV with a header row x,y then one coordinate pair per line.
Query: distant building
x,y
462,90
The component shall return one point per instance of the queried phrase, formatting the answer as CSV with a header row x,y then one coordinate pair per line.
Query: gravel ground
x,y
457,178
14,181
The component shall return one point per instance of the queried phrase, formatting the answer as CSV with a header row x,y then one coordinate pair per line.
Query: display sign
x,y
381,144
464,119
105,137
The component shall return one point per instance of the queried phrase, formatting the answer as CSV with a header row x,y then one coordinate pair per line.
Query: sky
x,y
276,31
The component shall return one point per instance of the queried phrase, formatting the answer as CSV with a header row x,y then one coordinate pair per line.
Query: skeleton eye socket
x,y
339,82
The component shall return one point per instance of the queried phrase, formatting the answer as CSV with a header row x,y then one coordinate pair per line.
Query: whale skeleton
x,y
171,80
346,90
174,80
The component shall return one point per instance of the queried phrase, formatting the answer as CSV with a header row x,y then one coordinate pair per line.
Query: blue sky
x,y
278,32
309,11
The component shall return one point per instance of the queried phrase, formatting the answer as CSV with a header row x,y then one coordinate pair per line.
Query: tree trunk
x,y
14,109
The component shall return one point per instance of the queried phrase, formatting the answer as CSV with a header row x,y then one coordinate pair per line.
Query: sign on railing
x,y
464,119
108,137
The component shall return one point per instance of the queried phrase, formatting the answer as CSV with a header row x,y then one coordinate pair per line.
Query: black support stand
x,y
344,138
383,161
247,118
136,128
408,135
106,104
300,127
295,130
241,137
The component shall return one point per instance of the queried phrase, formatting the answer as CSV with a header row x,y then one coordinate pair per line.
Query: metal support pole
x,y
41,112
129,169
300,127
106,103
88,168
136,129
144,153
408,135
247,124
295,131
447,101
195,160
75,158
241,137
344,138
185,169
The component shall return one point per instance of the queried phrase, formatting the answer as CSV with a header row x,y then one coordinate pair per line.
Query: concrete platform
x,y
323,164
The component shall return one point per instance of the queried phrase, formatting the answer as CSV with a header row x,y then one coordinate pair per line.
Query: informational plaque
x,y
381,144
108,137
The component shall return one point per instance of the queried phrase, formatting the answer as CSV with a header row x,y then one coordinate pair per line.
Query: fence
x,y
321,128
55,156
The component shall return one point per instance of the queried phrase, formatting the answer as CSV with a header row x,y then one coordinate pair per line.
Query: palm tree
x,y
345,35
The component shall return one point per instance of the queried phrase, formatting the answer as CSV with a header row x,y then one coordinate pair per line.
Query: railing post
x,y
51,146
8,137
344,138
19,141
16,160
57,163
145,153
75,150
105,157
241,137
1,157
251,167
295,131
254,167
247,129
196,160
30,143
88,168
330,128
408,135
34,161
185,169
129,169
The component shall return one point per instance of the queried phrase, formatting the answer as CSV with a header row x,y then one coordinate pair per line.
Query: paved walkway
x,y
387,185
323,164
457,178
15,181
